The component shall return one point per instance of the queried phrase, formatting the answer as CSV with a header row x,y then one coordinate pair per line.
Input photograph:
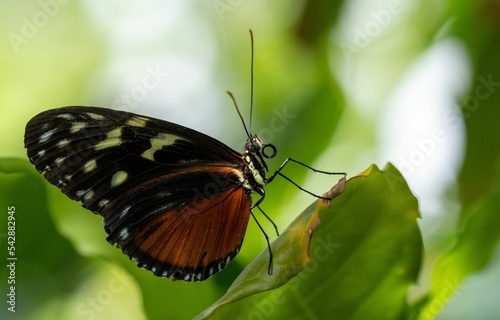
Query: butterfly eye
x,y
266,154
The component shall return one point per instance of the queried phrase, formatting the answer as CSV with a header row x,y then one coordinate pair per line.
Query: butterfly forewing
x,y
172,198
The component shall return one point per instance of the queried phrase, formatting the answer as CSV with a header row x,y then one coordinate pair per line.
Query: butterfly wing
x,y
193,241
170,196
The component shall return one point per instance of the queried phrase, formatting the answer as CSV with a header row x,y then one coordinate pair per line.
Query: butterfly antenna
x,y
251,77
251,92
239,113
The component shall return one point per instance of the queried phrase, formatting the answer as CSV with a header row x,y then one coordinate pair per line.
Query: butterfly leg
x,y
256,204
272,222
278,172
270,267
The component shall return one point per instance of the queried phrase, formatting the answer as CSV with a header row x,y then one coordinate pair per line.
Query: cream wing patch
x,y
118,178
137,121
95,116
103,203
59,161
89,166
113,139
62,143
159,142
77,126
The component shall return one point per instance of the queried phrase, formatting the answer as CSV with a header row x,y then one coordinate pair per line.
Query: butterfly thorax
x,y
255,166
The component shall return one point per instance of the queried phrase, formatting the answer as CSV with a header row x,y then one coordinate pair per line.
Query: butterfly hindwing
x,y
195,236
152,182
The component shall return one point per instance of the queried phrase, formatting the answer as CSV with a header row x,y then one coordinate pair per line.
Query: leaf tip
x,y
369,171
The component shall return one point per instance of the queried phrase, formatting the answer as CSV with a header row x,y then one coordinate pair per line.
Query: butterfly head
x,y
255,154
255,145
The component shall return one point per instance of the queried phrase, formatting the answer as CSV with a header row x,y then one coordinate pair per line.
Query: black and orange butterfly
x,y
175,200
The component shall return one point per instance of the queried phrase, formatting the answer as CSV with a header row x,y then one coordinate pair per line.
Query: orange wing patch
x,y
197,240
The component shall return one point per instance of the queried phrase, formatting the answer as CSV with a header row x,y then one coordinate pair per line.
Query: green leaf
x,y
479,107
290,250
317,19
47,268
364,255
479,239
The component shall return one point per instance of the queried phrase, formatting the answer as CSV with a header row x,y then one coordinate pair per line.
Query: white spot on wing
x,y
41,153
65,116
81,193
124,212
123,234
187,277
118,178
46,135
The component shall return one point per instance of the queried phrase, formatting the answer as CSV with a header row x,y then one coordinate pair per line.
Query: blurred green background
x,y
338,85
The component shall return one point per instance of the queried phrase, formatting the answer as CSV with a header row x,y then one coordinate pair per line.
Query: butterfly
x,y
173,199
